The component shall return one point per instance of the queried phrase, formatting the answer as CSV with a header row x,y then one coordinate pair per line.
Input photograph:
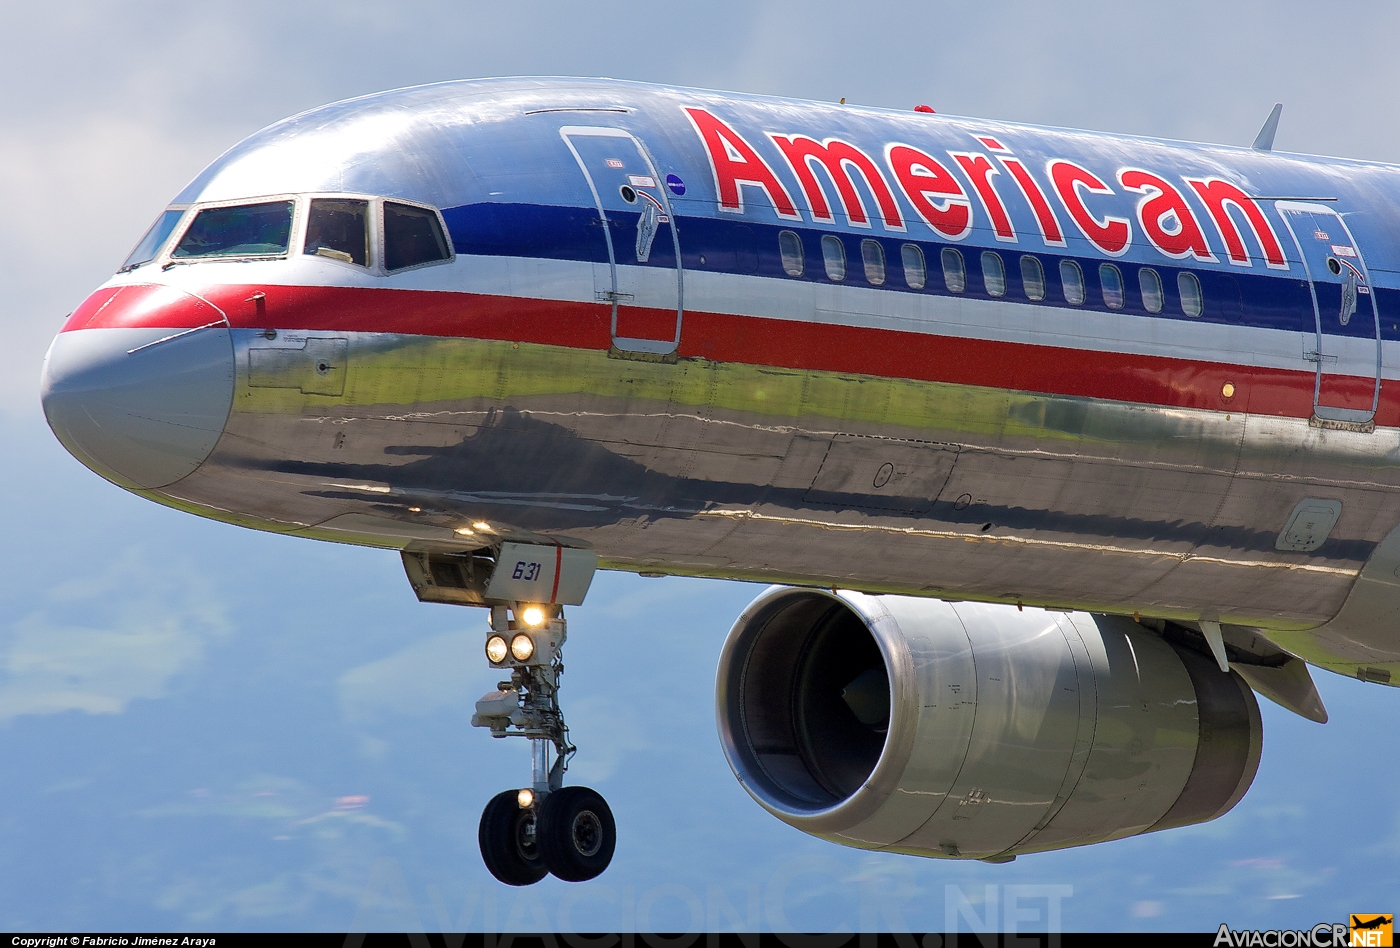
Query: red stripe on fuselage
x,y
1053,370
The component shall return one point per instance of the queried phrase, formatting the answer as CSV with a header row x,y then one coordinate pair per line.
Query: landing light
x,y
483,526
496,649
522,647
533,615
526,799
463,531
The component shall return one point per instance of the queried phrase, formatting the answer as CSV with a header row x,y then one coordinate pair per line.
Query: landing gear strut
x,y
546,827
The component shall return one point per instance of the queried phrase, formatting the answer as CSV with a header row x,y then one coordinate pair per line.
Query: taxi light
x,y
522,647
533,615
496,649
526,799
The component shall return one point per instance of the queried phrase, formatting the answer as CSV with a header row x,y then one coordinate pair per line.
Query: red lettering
x,y
1112,235
838,158
735,164
937,196
1219,196
1044,214
1165,217
979,171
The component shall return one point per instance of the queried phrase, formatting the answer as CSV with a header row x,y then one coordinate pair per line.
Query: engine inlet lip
x,y
883,780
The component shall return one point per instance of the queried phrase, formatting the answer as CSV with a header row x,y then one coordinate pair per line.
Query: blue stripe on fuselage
x,y
1252,299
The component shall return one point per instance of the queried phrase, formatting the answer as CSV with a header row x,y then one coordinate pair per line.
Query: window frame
x,y
1200,294
1079,275
373,216
192,212
381,250
865,244
904,250
1161,290
1001,265
953,253
801,254
829,240
1040,270
1122,287
180,225
301,208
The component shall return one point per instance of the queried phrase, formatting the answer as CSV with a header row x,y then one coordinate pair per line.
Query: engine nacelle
x,y
972,730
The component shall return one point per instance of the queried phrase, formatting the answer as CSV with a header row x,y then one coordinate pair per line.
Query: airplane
x,y
1055,446
1375,921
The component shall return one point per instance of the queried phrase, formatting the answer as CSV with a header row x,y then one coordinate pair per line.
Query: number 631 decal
x,y
526,571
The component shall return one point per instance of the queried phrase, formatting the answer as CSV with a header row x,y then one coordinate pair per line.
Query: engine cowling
x,y
973,730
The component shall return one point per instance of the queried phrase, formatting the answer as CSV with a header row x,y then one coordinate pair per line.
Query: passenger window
x,y
834,256
873,256
338,229
245,230
915,275
1190,289
150,244
954,273
790,246
412,236
993,274
1072,281
1032,278
1111,282
1151,285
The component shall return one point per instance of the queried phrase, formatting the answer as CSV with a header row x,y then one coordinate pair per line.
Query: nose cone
x,y
138,385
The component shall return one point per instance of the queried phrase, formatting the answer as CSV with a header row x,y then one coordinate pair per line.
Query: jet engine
x,y
972,730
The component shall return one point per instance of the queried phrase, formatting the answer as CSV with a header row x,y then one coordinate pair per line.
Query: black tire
x,y
508,847
577,834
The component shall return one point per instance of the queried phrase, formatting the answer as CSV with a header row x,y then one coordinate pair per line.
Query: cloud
x,y
422,679
98,644
312,847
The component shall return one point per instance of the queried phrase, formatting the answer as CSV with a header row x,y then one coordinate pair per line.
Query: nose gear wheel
x,y
577,834
509,841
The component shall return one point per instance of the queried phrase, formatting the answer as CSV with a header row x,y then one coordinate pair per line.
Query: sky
x,y
203,727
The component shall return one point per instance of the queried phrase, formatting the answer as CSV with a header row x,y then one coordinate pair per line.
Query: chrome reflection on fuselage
x,y
436,339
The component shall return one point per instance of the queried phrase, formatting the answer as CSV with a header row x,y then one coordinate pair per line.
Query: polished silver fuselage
x,y
373,431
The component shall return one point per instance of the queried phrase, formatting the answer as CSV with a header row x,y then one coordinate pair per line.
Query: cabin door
x,y
644,279
1347,346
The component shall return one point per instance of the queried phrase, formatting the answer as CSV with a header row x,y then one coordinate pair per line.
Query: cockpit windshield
x,y
155,238
411,236
241,231
337,228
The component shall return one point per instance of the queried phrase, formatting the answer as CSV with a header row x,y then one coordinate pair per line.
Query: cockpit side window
x,y
155,238
244,230
412,235
338,228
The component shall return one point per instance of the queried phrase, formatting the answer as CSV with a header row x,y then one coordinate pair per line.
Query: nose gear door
x,y
1348,335
645,281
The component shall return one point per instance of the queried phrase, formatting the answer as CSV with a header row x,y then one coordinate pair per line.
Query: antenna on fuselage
x,y
1264,141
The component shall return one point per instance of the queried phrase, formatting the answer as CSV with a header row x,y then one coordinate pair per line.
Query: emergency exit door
x,y
644,281
1347,342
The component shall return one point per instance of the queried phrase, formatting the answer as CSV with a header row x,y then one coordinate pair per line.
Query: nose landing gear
x,y
547,827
